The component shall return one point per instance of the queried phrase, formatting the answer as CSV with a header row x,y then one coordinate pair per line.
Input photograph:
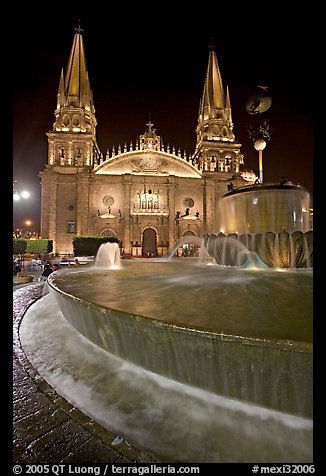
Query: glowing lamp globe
x,y
260,144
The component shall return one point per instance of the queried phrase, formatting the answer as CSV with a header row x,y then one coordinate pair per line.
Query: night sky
x,y
152,60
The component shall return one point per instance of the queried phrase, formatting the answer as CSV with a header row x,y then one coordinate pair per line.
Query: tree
x,y
39,247
89,245
19,246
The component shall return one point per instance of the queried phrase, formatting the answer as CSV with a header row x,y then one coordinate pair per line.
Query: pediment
x,y
147,163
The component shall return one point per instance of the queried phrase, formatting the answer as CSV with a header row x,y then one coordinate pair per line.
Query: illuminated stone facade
x,y
146,194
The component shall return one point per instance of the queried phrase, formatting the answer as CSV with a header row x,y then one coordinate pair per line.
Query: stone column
x,y
125,219
82,212
209,206
49,206
171,186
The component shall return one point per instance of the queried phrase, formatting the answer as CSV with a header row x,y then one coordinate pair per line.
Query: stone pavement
x,y
47,429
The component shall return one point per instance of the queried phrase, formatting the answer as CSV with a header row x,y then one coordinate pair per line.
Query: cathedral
x,y
147,195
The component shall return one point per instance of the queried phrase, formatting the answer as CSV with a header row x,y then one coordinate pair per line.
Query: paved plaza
x,y
46,427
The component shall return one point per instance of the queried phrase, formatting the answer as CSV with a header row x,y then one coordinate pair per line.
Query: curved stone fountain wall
x,y
273,373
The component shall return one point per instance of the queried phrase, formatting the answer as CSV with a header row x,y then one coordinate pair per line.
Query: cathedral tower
x,y
216,147
72,154
72,142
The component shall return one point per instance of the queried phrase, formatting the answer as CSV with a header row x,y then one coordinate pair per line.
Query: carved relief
x,y
108,201
148,164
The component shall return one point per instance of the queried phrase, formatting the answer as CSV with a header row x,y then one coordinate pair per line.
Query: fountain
x,y
184,345
230,386
108,256
270,220
237,334
174,307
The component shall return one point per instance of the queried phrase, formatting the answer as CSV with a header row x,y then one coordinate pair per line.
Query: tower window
x,y
228,163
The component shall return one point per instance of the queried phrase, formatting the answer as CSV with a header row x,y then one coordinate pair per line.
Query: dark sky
x,y
153,60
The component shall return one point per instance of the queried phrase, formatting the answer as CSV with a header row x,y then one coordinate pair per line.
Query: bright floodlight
x,y
16,196
25,194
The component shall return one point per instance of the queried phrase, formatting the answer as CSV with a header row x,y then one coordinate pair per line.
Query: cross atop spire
x,y
149,140
212,44
79,29
149,125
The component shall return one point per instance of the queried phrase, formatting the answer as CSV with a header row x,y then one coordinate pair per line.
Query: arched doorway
x,y
190,244
149,242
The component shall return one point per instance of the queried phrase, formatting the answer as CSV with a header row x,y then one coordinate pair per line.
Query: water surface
x,y
274,304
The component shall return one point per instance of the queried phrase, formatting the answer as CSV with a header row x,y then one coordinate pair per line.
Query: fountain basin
x,y
271,220
236,333
275,250
262,208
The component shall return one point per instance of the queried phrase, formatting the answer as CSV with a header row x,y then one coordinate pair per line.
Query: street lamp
x,y
27,224
17,194
260,145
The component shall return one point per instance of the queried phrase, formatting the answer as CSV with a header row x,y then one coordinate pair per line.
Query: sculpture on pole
x,y
260,132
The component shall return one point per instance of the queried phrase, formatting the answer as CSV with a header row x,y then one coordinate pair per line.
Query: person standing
x,y
46,272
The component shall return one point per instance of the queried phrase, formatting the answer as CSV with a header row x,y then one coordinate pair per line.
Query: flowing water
x,y
176,422
267,303
186,359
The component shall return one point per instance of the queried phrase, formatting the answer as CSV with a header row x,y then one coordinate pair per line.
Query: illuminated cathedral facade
x,y
147,195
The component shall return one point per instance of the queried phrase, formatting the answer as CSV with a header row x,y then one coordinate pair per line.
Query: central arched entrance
x,y
149,242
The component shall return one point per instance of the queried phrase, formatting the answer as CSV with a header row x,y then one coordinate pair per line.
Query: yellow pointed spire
x,y
77,87
213,94
75,106
61,91
215,137
228,110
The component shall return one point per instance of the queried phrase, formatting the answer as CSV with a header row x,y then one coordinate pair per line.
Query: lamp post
x,y
259,133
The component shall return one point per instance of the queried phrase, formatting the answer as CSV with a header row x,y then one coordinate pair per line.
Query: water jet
x,y
108,256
